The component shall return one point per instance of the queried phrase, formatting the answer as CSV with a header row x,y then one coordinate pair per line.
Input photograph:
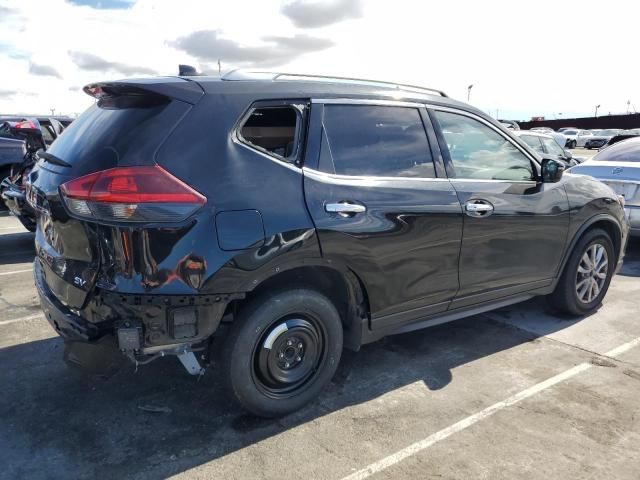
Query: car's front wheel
x,y
283,348
587,274
573,144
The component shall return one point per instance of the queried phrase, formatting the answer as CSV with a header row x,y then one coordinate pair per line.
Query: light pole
x,y
597,107
469,92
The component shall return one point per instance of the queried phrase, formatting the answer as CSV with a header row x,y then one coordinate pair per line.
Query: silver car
x,y
619,167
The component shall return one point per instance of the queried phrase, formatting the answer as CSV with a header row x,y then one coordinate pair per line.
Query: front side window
x,y
372,140
479,152
272,130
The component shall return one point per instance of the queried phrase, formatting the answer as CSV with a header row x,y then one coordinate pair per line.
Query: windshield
x,y
609,132
570,132
625,151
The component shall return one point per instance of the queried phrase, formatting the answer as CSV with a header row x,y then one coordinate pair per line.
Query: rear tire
x,y
283,348
586,276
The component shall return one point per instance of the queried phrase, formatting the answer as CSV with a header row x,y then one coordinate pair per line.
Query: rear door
x,y
382,206
126,130
515,228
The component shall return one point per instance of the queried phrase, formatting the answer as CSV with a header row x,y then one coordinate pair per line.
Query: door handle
x,y
344,209
478,208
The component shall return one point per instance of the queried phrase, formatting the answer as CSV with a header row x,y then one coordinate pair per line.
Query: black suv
x,y
274,219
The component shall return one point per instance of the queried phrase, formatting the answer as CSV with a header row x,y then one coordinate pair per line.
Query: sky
x,y
556,59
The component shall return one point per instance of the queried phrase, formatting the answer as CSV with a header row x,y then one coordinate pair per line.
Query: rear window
x,y
107,136
370,140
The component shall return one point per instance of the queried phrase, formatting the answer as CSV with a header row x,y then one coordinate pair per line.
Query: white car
x,y
576,138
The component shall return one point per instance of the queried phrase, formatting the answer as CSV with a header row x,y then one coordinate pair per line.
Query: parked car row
x,y
20,141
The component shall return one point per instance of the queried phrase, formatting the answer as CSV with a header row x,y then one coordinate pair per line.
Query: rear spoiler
x,y
167,88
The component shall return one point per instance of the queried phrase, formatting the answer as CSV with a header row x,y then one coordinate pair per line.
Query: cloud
x,y
208,46
93,63
104,4
43,70
8,93
314,14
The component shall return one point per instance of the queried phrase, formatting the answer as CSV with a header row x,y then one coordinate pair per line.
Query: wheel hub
x,y
288,355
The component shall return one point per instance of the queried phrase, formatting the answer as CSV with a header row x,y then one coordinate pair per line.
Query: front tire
x,y
573,144
283,348
586,276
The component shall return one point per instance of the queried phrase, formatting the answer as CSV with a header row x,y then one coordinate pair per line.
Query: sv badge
x,y
79,282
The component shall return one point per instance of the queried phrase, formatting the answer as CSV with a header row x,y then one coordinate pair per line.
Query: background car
x,y
601,137
12,147
542,129
619,167
576,138
546,146
510,124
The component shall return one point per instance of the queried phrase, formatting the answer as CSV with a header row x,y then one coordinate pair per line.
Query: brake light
x,y
26,124
131,194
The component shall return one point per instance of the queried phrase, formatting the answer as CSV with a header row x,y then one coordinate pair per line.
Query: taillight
x,y
131,194
26,125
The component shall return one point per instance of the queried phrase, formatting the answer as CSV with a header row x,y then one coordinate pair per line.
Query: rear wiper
x,y
47,157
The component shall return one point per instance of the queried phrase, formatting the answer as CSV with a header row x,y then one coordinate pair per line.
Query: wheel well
x,y
343,288
612,230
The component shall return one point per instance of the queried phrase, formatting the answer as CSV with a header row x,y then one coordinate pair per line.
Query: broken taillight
x,y
131,194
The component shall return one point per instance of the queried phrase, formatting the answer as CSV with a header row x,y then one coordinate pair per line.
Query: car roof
x,y
273,85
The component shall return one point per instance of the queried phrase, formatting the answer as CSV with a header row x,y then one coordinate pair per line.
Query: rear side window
x,y
376,141
273,130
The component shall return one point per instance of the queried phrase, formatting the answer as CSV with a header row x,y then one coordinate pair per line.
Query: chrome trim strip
x,y
367,101
489,180
337,178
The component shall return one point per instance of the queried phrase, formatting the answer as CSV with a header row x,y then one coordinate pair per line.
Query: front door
x,y
382,207
515,228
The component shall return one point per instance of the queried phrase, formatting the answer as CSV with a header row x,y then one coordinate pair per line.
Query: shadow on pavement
x,y
56,423
16,247
631,266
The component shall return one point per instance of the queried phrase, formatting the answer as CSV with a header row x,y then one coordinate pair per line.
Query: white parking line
x,y
21,319
434,438
16,271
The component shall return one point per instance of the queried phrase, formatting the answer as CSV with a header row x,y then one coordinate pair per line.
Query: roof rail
x,y
240,74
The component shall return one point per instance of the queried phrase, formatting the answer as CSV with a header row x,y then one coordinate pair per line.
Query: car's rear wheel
x,y
283,348
587,274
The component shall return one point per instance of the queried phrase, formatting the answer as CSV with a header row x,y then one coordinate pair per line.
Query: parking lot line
x,y
21,319
15,271
463,424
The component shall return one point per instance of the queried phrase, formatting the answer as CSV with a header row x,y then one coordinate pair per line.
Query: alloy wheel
x,y
592,273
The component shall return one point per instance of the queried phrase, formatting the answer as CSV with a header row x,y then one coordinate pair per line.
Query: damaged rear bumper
x,y
140,324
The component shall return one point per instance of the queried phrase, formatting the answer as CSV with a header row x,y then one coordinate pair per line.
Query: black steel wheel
x,y
288,355
283,348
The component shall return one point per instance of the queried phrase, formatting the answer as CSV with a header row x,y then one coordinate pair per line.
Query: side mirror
x,y
552,170
567,154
